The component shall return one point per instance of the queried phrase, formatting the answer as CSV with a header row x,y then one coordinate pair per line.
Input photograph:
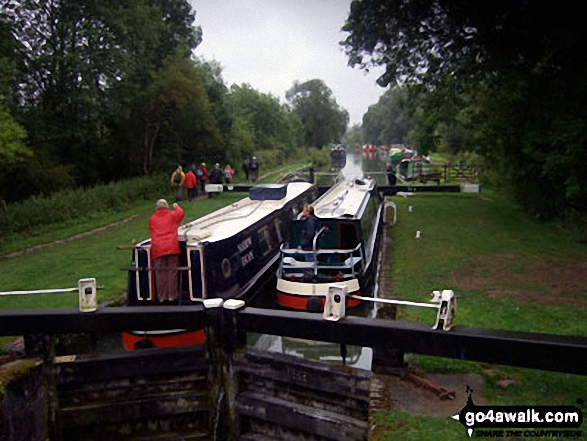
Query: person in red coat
x,y
165,249
191,183
202,173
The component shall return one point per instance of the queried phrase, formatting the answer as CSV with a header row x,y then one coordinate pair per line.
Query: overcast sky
x,y
269,44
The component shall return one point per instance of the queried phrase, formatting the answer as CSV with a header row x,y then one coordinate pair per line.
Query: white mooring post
x,y
447,309
335,305
87,295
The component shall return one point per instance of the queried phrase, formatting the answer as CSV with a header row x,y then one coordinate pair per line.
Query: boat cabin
x,y
224,253
343,248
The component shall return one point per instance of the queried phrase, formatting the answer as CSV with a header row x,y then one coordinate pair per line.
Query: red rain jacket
x,y
163,225
190,180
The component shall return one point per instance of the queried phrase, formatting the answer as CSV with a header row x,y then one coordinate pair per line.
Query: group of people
x,y
163,224
251,168
200,175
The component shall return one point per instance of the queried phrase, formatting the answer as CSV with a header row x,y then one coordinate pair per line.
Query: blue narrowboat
x,y
225,254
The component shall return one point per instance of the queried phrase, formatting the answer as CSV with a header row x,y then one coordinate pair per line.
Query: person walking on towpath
x,y
191,183
215,176
247,167
228,172
202,175
165,253
178,182
254,168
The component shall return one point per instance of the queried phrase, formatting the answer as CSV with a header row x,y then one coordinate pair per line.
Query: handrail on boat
x,y
288,262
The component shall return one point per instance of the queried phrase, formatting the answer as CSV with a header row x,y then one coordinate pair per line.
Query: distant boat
x,y
225,254
345,249
337,157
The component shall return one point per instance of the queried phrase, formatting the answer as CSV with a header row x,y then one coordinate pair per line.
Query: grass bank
x,y
510,272
59,254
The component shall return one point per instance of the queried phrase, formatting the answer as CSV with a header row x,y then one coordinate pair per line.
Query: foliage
x,y
12,137
388,121
218,98
268,124
176,118
353,136
323,120
80,69
79,204
445,119
99,91
8,59
505,79
319,158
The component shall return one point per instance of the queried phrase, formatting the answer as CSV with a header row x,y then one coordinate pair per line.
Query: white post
x,y
335,305
87,295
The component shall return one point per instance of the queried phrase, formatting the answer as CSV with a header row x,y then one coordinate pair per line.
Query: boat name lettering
x,y
247,258
245,244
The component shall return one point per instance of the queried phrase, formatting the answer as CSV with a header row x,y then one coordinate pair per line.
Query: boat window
x,y
264,240
348,235
195,275
296,233
368,221
277,224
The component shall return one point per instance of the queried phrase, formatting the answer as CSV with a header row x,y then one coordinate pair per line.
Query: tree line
x,y
503,78
101,90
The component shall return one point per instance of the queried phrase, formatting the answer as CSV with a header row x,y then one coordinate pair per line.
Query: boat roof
x,y
344,200
236,217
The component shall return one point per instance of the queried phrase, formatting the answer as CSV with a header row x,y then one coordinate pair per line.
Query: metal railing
x,y
320,262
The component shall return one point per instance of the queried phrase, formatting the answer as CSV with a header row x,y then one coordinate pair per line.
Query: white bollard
x,y
87,295
418,234
335,305
447,309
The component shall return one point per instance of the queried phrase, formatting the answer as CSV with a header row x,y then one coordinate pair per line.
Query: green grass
x,y
510,272
495,257
406,427
95,255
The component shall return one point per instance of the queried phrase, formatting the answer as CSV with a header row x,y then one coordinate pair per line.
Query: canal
x,y
357,165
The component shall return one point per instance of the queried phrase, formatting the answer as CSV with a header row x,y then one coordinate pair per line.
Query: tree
x,y
177,123
354,135
514,69
270,124
12,140
324,121
8,62
388,121
84,64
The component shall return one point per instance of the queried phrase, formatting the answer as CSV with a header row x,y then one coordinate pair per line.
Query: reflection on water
x,y
358,165
356,356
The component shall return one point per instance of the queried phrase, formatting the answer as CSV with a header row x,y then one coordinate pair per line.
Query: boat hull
x,y
133,340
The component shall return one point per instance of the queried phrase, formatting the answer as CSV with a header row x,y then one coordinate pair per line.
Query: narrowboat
x,y
345,248
225,254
